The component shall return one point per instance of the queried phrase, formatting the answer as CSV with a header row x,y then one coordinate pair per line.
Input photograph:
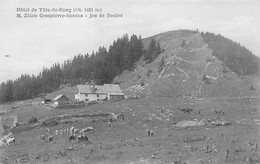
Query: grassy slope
x,y
183,71
134,126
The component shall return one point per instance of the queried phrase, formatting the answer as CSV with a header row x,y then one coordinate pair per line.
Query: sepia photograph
x,y
130,81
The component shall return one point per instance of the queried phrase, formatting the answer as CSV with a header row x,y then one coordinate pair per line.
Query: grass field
x,y
127,141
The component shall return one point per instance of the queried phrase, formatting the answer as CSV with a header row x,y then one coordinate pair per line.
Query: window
x,y
86,95
97,95
86,99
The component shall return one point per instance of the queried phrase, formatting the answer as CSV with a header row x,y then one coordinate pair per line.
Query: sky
x,y
29,44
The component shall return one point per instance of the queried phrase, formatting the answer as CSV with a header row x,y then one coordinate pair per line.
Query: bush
x,y
209,60
183,43
252,88
224,70
149,73
33,120
161,64
206,79
51,122
92,103
5,127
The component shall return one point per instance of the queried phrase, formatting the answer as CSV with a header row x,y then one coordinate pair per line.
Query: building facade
x,y
89,93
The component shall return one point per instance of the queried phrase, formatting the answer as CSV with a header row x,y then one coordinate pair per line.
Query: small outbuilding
x,y
114,92
45,101
61,99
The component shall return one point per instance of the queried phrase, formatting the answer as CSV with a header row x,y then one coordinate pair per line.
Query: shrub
x,y
209,60
92,103
5,127
33,120
161,64
51,122
252,88
206,79
149,73
183,43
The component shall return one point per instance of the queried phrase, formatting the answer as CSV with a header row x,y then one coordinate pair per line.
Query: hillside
x,y
179,71
170,86
172,64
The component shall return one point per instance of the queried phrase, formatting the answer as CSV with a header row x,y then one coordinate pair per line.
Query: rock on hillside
x,y
181,72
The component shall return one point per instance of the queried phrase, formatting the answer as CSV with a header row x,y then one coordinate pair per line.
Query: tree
x,y
102,66
183,43
161,64
238,58
154,49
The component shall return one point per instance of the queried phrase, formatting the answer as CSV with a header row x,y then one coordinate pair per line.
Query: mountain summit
x,y
186,68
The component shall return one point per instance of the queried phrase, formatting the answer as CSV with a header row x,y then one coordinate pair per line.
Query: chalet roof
x,y
59,96
106,88
113,88
90,89
69,92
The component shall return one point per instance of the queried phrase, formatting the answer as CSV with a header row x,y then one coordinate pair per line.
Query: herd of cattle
x,y
189,110
80,135
185,110
72,132
47,137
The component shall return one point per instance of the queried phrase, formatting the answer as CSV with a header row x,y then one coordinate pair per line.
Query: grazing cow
x,y
88,129
82,132
56,132
10,134
2,144
219,112
76,131
71,130
151,133
43,137
9,141
114,116
185,110
6,137
50,138
120,116
47,130
3,141
188,110
72,137
181,109
82,138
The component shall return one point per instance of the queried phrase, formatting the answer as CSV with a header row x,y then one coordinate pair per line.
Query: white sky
x,y
36,42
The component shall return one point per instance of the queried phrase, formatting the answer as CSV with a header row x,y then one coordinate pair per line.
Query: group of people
x,y
149,133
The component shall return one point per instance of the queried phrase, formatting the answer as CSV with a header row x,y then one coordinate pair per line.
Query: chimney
x,y
93,84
